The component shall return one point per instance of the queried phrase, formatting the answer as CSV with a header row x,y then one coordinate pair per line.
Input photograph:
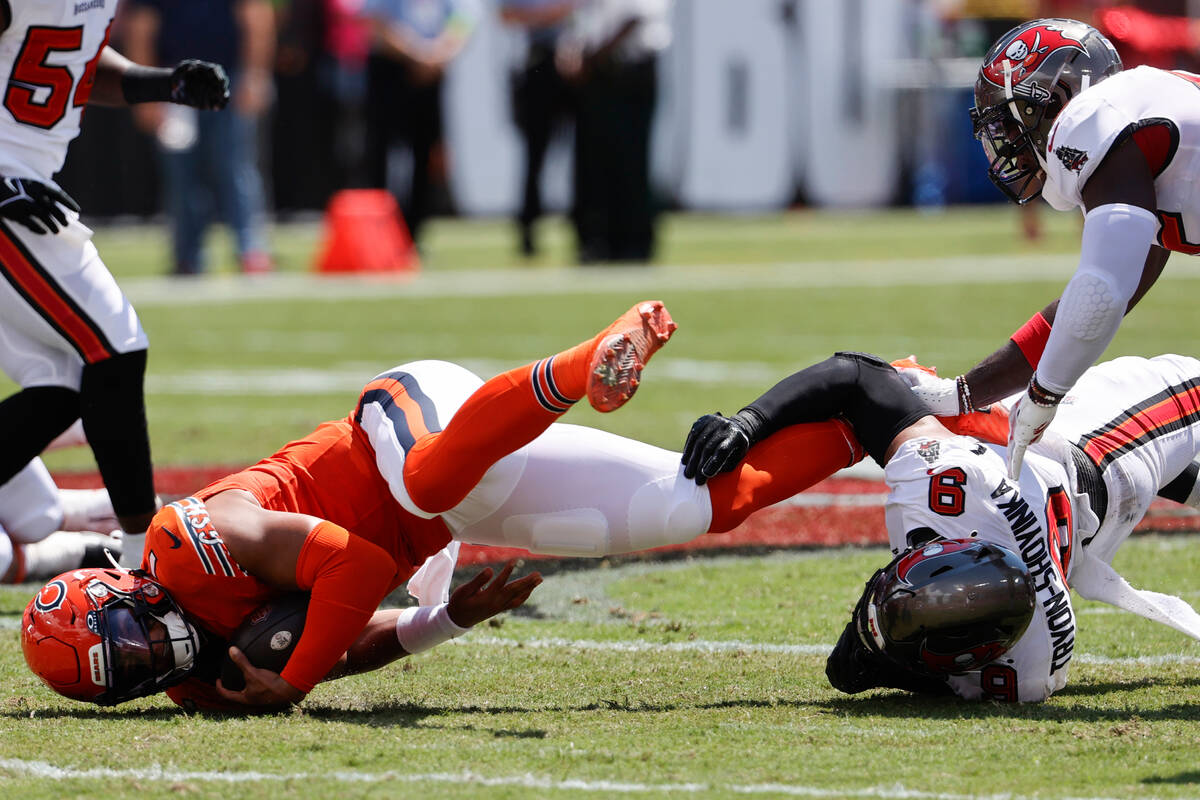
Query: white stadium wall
x,y
752,111
730,120
851,146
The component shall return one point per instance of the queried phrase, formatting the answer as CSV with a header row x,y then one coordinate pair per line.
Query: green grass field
x,y
699,677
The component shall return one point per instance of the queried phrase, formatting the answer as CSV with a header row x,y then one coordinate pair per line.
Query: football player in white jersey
x,y
1058,117
68,336
976,601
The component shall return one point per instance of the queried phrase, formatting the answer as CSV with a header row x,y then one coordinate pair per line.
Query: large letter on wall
x,y
852,142
731,114
481,140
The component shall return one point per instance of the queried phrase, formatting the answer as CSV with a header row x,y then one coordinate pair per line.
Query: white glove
x,y
940,394
1027,421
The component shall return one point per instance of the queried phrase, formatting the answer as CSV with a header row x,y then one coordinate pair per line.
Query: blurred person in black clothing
x,y
412,44
540,96
610,53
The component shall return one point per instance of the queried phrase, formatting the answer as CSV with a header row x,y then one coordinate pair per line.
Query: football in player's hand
x,y
267,637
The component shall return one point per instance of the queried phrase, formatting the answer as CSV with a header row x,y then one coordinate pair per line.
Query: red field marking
x,y
781,526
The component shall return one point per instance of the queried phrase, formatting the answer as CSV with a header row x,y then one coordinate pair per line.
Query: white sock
x,y
131,550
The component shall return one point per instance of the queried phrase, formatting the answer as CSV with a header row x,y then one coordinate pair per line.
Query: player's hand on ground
x,y
715,444
483,597
1027,421
264,688
940,394
200,84
36,205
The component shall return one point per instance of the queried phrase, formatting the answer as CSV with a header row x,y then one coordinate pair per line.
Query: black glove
x,y
716,444
35,204
200,84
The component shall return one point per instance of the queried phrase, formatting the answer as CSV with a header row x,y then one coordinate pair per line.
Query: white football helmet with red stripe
x,y
106,636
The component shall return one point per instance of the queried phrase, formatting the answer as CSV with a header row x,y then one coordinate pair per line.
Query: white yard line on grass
x,y
44,771
648,280
13,622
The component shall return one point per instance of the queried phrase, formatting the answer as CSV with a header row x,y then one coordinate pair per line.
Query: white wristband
x,y
423,627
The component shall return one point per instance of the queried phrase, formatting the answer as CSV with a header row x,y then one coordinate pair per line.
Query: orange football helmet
x,y
107,635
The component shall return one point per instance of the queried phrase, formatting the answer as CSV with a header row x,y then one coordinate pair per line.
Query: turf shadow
x,y
93,713
1192,776
907,706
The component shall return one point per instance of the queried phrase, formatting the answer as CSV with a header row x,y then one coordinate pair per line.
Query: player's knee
x,y
57,403
667,512
434,484
121,374
111,396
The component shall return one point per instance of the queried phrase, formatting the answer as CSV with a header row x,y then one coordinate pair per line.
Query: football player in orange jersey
x,y
431,456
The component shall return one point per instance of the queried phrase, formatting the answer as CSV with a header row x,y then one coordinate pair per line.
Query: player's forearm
x,y
1008,370
110,72
376,647
1116,244
346,577
394,633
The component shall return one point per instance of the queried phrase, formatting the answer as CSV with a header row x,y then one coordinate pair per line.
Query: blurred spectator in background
x,y
342,74
540,96
610,53
412,44
319,116
210,161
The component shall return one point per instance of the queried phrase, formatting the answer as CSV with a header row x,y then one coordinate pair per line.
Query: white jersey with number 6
x,y
1137,421
959,488
48,57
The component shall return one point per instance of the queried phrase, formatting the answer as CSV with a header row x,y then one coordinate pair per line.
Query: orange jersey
x,y
329,474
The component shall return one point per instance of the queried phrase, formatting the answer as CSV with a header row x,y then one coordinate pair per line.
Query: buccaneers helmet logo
x,y
1026,53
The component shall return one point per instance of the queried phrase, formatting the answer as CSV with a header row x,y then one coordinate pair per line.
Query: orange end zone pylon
x,y
365,232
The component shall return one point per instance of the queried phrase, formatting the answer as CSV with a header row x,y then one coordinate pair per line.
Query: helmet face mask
x,y
106,636
145,651
1012,152
946,607
1028,76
